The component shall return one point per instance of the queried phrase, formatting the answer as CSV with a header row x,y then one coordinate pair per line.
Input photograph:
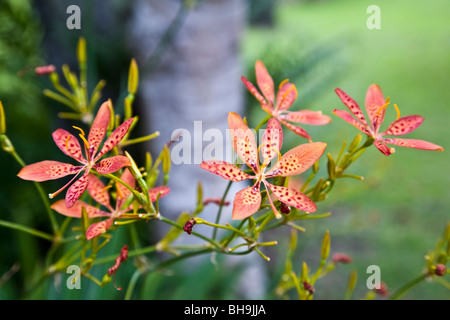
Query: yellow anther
x,y
383,106
398,111
289,90
119,193
282,83
106,188
82,136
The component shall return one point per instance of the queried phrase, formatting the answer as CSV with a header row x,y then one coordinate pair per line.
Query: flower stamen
x,y
398,111
383,106
82,136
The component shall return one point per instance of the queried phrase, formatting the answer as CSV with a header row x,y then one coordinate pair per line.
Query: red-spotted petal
x,y
123,192
254,91
112,164
243,141
374,101
414,143
352,106
348,117
265,82
272,140
225,170
307,117
293,198
403,125
286,96
296,129
76,190
68,144
246,202
298,159
99,126
384,149
75,211
160,191
98,228
47,170
115,137
97,190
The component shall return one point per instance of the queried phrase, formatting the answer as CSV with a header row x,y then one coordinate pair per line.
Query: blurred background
x,y
191,55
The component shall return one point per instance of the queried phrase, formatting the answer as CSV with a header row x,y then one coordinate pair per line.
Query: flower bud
x,y
440,270
284,208
356,141
341,258
189,225
133,77
44,70
308,287
331,166
2,119
81,50
325,251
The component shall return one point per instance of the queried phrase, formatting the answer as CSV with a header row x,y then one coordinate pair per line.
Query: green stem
x,y
400,292
28,230
219,213
262,122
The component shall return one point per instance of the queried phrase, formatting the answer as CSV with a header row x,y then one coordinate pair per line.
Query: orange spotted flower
x,y
295,161
286,96
98,191
376,109
50,170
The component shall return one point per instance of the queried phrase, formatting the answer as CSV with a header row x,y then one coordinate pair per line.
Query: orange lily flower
x,y
50,170
376,109
286,96
295,161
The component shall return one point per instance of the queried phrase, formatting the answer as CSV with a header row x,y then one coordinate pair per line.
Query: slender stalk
x,y
25,229
400,292
219,213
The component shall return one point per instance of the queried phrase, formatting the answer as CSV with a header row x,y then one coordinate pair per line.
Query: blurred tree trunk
x,y
190,71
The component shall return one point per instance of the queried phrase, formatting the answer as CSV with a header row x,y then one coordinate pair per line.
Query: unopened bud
x,y
440,270
341,258
308,287
133,77
325,251
284,208
189,225
383,290
2,119
45,70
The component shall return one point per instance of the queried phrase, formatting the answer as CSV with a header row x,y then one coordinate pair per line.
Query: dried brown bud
x,y
188,225
308,287
284,208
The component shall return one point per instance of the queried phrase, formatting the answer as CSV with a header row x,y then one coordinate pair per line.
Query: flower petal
x,y
246,202
161,190
286,96
97,190
123,192
404,125
243,141
265,82
68,144
298,159
254,92
293,198
296,129
99,126
272,140
98,228
112,164
76,190
352,106
374,101
348,117
225,170
115,137
75,211
414,143
47,170
307,116
380,145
